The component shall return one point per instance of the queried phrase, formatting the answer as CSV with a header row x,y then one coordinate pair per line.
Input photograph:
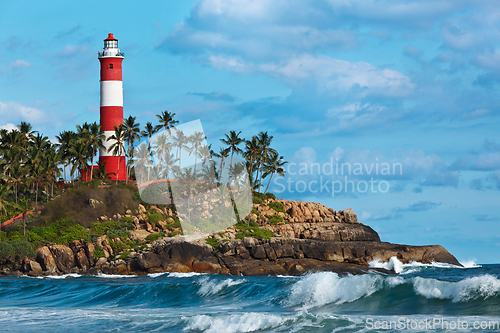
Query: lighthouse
x,y
111,105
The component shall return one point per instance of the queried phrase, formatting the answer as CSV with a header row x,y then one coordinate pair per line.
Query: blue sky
x,y
410,82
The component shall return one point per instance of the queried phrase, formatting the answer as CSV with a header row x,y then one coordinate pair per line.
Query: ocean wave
x,y
323,288
235,323
477,287
414,266
213,286
181,275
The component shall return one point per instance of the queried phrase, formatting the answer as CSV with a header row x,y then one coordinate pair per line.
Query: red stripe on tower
x,y
111,104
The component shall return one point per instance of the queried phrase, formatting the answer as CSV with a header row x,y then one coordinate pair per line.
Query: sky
x,y
390,108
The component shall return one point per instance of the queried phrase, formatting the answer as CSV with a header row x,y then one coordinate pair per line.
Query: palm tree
x,y
251,153
264,142
37,176
148,132
196,141
180,142
78,155
4,203
132,133
64,138
95,141
26,130
118,146
166,120
15,175
274,164
233,140
51,166
24,205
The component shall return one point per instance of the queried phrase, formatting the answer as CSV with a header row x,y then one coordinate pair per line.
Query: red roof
x,y
110,37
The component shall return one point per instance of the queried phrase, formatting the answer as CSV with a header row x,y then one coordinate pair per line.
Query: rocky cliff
x,y
306,237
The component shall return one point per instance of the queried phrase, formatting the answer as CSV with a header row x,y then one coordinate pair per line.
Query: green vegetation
x,y
274,219
252,230
31,165
174,233
212,242
153,237
62,231
125,254
14,251
154,218
98,252
277,206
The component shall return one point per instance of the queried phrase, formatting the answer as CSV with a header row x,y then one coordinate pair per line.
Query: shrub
x,y
101,228
270,196
62,231
118,233
277,206
127,219
122,245
154,218
258,198
153,237
174,233
274,219
252,230
14,251
212,242
125,254
98,252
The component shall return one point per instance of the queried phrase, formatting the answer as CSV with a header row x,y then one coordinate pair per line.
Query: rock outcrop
x,y
308,237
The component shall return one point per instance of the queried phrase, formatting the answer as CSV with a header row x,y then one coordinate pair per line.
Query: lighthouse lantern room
x,y
111,105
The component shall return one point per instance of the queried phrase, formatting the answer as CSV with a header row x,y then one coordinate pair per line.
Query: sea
x,y
420,298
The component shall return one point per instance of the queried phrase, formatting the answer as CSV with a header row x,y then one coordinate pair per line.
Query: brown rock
x,y
148,260
258,252
32,266
63,256
46,260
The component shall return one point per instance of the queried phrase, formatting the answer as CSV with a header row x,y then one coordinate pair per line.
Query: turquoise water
x,y
317,302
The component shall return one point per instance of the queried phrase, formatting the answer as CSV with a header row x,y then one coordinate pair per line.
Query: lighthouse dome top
x,y
111,48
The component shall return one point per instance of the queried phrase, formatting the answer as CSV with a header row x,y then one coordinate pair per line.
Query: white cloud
x,y
8,126
478,113
489,60
329,74
19,63
20,111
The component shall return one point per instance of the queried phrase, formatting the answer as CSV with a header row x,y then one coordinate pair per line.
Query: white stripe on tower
x,y
111,93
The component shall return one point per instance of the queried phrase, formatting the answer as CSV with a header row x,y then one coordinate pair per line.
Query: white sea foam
x,y
180,275
414,266
155,275
114,276
213,286
482,286
235,323
58,277
392,264
470,264
326,287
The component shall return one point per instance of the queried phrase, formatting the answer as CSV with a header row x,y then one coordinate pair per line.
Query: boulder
x,y
63,256
46,260
148,260
32,266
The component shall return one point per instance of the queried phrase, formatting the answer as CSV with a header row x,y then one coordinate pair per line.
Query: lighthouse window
x,y
110,66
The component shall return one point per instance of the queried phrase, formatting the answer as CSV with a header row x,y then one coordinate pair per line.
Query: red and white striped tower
x,y
111,103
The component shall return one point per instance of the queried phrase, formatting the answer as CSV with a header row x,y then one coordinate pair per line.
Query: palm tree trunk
x,y
269,182
36,197
117,170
